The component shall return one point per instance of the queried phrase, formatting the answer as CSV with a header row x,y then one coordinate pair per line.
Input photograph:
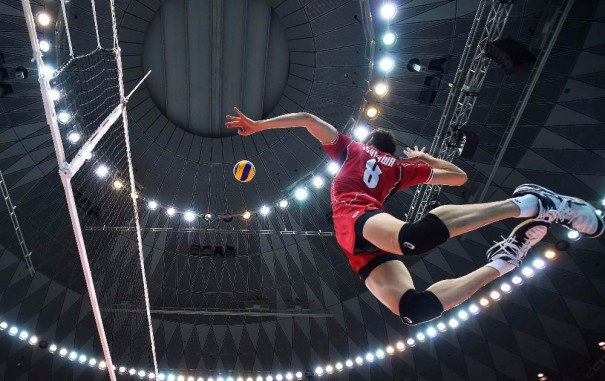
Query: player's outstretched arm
x,y
321,130
444,172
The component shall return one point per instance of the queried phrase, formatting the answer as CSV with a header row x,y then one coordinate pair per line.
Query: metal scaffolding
x,y
449,141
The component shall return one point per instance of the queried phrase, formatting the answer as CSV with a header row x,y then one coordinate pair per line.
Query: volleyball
x,y
244,171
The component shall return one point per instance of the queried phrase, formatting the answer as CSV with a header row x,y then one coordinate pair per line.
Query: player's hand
x,y
245,125
414,155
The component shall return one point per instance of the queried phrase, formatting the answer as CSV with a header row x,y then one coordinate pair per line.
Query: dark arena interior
x,y
151,231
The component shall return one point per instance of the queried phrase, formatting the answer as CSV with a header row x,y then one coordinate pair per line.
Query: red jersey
x,y
365,170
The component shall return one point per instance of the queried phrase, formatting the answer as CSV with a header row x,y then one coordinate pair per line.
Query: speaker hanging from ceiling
x,y
511,55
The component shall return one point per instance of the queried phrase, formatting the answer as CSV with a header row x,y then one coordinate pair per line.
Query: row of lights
x,y
461,314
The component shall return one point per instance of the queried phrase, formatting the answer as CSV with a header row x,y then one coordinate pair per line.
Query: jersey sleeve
x,y
414,174
338,148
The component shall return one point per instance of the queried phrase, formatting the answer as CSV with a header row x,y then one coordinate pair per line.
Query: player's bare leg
x,y
392,284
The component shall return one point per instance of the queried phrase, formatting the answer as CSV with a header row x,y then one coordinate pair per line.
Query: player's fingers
x,y
231,117
415,148
239,112
423,149
233,124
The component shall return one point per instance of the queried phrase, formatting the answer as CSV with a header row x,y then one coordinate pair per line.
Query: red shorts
x,y
345,216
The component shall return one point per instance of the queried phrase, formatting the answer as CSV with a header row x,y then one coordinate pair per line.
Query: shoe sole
x,y
520,226
524,189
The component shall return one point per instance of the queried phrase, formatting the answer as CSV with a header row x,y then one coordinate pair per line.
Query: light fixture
x,y
13,331
603,202
538,263
152,204
369,357
318,182
301,194
73,356
505,287
64,117
420,336
268,378
44,45
386,64
92,362
441,326
102,171
411,342
54,94
259,378
88,155
23,335
319,371
189,216
390,350
43,19
118,184
74,137
494,295
33,340
381,89
246,215
484,302
329,369
349,363
517,280
299,375
599,212
47,72
52,348
207,217
453,323
3,326
431,332
474,309
573,234
528,272
388,11
389,38
333,168
170,211
264,210
278,377
289,376
360,132
358,360
338,367
283,203
400,346
380,354
372,112
82,359
550,254
63,352
463,315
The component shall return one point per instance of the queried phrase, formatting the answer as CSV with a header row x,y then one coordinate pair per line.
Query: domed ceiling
x,y
269,58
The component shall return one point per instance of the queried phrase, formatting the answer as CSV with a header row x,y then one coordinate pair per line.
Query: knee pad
x,y
423,235
419,307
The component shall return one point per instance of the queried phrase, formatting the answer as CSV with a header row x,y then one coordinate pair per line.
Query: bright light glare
x,y
372,112
538,263
505,287
264,210
411,342
381,89
64,117
47,71
74,136
431,332
484,302
442,327
369,357
528,272
246,215
389,38
494,295
517,280
380,354
153,205
318,182
463,315
333,168
102,171
43,19
189,216
170,211
54,94
388,11
386,64
453,323
360,132
23,335
301,194
550,254
474,309
573,234
44,46
319,371
420,336
283,204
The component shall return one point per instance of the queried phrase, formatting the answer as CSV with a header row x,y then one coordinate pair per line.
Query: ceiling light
x,y
3,326
170,211
33,340
63,352
102,171
301,194
44,45
189,216
389,38
47,71
74,137
420,336
505,287
372,112
494,295
573,234
453,323
369,357
264,210
358,360
380,354
268,378
246,215
278,377
54,94
333,168
474,309
538,263
338,367
441,326
360,132
528,272
289,376
152,204
23,335
390,350
43,19
151,376
386,64
381,89
318,182
484,302
299,375
400,346
517,280
13,331
388,11
118,184
207,217
431,332
463,315
64,117
319,371
87,155
52,348
599,212
92,362
349,363
410,342
73,356
82,359
283,204
550,254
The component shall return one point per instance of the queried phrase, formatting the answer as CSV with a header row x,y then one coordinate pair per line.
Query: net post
x,y
71,49
94,15
51,118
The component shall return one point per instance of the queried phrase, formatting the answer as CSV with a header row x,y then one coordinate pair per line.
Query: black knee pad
x,y
419,307
422,235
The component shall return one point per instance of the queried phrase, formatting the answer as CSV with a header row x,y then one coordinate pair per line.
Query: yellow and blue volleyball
x,y
244,171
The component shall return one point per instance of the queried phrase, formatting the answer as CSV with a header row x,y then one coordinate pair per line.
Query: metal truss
x,y
449,140
11,211
317,233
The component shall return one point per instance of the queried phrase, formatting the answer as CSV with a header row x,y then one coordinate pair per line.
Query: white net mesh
x,y
79,97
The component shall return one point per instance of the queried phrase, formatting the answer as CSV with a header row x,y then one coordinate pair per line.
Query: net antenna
x,y
93,99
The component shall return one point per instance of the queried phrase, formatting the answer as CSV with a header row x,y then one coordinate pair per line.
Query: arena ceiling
x,y
551,324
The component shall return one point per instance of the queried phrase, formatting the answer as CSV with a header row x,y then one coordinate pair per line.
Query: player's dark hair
x,y
382,140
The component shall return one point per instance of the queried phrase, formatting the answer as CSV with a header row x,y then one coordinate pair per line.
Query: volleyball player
x,y
374,241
